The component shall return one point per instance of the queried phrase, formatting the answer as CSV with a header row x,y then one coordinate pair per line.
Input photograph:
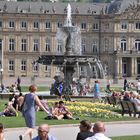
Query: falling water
x,y
77,65
68,19
101,70
70,35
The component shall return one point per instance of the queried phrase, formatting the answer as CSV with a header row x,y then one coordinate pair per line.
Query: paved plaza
x,y
26,81
69,132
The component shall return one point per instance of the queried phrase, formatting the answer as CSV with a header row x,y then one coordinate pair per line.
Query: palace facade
x,y
108,31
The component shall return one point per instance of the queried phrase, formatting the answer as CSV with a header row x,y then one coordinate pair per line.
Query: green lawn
x,y
18,121
10,122
126,138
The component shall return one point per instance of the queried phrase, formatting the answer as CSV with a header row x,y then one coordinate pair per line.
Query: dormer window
x,y
89,10
77,10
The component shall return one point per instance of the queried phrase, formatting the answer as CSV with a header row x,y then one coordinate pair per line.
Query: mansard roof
x,y
119,6
50,8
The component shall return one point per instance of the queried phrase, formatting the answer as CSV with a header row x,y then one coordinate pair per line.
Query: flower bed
x,y
89,109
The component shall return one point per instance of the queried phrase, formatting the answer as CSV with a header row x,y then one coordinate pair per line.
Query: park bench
x,y
111,100
129,107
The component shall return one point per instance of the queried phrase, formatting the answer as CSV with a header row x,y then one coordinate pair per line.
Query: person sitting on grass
x,y
85,132
64,111
9,111
20,101
55,112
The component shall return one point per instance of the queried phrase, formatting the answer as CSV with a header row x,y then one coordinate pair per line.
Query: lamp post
x,y
1,76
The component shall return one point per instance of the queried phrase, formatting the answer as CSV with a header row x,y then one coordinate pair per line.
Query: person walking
x,y
29,109
98,130
125,84
85,132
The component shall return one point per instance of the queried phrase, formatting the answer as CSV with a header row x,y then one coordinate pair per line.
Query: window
x,y
137,25
11,44
83,25
47,45
11,65
23,24
137,44
48,25
95,26
124,25
0,24
59,47
23,44
11,24
83,45
138,67
94,46
123,45
36,45
47,68
59,24
0,44
36,24
23,65
35,67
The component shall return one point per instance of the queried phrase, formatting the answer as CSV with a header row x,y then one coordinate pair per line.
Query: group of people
x,y
85,133
59,111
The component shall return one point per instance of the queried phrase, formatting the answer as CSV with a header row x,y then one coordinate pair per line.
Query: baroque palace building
x,y
110,31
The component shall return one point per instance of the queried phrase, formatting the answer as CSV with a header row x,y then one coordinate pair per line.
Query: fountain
x,y
72,57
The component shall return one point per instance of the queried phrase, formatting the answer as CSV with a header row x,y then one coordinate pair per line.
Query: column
x,y
135,66
120,66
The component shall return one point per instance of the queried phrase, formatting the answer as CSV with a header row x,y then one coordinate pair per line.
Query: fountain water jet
x,y
71,57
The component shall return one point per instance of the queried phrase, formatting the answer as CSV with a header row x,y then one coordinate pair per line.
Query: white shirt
x,y
138,85
98,136
137,102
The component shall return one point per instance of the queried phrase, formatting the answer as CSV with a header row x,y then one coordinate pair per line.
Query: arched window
x,y
137,44
94,46
123,45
